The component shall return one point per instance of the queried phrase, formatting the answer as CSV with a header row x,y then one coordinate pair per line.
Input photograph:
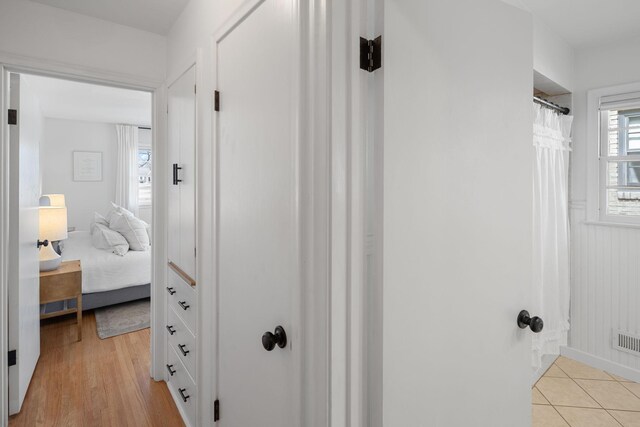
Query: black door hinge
x,y
12,359
12,117
216,410
216,101
370,54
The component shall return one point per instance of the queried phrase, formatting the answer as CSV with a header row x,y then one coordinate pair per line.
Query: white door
x,y
457,213
182,188
258,218
24,290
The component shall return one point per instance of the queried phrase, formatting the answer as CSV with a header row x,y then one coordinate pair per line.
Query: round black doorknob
x,y
279,338
535,323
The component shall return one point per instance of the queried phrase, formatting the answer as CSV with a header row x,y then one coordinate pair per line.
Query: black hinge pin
x,y
216,410
370,54
216,101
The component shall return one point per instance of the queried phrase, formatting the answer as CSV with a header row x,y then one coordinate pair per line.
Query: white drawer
x,y
183,298
182,387
182,341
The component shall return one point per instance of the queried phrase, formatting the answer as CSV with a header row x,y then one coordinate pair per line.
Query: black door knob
x,y
270,340
535,323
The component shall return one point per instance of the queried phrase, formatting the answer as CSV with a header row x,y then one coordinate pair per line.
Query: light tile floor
x,y
572,394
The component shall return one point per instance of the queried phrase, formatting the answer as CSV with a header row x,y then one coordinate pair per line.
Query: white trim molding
x,y
594,197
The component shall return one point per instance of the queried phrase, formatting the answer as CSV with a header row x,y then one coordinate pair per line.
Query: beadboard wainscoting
x,y
605,290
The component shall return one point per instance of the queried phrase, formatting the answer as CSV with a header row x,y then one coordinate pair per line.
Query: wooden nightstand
x,y
63,284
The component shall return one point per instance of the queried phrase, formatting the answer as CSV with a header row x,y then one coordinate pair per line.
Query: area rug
x,y
123,318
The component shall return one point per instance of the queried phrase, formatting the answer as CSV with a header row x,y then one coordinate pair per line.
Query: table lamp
x,y
53,227
52,200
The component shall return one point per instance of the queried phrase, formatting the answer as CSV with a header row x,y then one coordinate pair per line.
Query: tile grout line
x,y
611,415
594,399
568,376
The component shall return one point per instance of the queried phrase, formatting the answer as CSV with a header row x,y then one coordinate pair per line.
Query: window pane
x,y
623,132
144,177
623,202
624,174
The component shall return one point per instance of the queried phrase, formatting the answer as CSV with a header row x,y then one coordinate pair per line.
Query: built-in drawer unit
x,y
182,341
182,298
182,387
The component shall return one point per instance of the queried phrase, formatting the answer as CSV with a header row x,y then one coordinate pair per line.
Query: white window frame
x,y
597,158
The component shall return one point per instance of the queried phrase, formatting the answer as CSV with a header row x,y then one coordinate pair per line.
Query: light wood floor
x,y
94,382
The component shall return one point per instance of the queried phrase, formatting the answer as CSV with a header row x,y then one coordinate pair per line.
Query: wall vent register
x,y
626,342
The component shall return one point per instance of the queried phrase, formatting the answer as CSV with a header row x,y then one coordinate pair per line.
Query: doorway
x,y
77,172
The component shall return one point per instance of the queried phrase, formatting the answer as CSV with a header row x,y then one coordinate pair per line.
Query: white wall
x,y
605,280
553,57
63,137
29,29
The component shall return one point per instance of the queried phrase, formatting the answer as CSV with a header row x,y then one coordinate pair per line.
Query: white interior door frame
x,y
20,64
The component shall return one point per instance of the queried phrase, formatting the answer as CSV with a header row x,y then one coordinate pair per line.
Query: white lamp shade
x,y
53,223
52,200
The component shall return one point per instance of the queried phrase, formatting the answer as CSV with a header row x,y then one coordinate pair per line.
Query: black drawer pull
x,y
170,290
183,304
171,371
176,179
184,396
182,349
171,330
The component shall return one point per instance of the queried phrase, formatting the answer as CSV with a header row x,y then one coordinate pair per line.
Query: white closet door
x,y
258,218
182,139
457,213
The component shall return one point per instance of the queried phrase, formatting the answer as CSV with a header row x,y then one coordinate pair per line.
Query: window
x,y
620,158
144,177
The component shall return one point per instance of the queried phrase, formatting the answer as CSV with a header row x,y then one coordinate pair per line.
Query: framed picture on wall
x,y
87,166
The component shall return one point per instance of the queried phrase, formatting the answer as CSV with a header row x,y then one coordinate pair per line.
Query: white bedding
x,y
103,270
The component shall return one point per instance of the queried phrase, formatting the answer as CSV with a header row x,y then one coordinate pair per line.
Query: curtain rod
x,y
551,105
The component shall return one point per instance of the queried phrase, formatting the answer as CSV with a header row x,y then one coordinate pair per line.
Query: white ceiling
x,y
64,99
589,22
156,16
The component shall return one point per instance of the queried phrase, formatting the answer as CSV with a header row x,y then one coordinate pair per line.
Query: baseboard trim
x,y
176,398
600,363
546,362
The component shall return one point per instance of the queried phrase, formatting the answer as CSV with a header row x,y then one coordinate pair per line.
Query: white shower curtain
x,y
551,140
127,168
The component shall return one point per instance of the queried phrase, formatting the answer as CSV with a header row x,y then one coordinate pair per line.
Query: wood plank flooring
x,y
94,382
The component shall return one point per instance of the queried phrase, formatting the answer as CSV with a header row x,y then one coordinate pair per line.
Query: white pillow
x,y
105,238
98,219
121,210
148,227
133,229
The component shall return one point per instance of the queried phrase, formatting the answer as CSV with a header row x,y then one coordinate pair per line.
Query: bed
x,y
107,278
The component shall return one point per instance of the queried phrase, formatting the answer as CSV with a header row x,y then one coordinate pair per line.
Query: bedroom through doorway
x,y
81,197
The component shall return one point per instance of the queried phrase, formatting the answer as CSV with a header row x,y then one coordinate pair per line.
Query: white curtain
x,y
552,144
127,168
